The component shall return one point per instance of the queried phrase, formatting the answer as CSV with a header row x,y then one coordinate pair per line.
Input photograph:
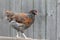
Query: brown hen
x,y
21,21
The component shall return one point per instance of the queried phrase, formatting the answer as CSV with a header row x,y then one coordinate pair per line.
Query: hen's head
x,y
33,12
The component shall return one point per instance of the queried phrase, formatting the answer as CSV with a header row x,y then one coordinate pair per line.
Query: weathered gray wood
x,y
51,20
58,20
13,38
39,25
4,29
37,30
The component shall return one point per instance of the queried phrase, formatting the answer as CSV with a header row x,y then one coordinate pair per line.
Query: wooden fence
x,y
47,23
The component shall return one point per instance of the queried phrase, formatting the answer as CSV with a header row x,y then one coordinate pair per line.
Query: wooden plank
x,y
39,26
51,20
4,29
15,5
13,38
27,5
24,6
58,20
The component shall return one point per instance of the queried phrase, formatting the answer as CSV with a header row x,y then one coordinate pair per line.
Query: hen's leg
x,y
17,35
24,36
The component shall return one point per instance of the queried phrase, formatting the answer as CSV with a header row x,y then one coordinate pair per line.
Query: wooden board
x,y
13,38
58,20
51,20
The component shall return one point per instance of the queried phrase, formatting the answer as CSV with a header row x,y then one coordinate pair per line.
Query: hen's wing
x,y
23,18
